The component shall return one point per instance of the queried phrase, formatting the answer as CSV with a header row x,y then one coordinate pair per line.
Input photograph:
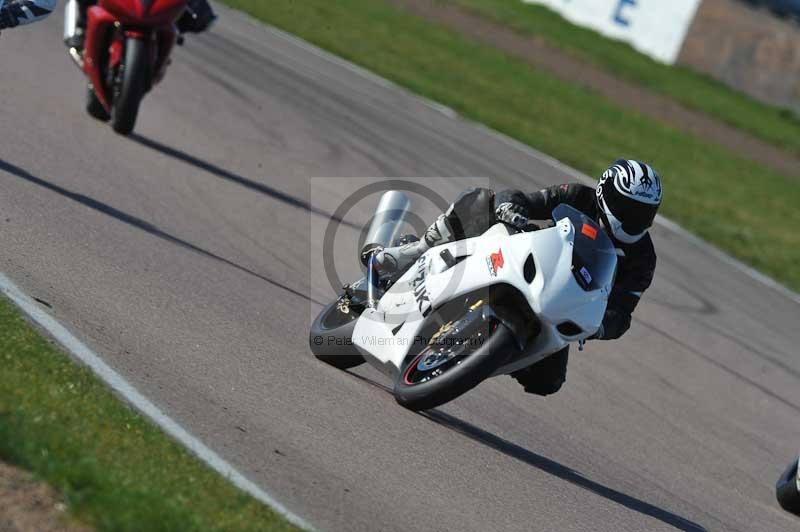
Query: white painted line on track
x,y
532,152
118,383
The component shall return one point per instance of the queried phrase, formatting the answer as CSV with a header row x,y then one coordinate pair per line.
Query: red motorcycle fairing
x,y
99,24
147,13
139,19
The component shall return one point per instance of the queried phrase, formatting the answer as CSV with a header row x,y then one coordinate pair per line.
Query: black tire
x,y
330,338
94,107
459,379
131,84
786,490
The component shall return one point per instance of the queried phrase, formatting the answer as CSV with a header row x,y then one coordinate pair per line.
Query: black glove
x,y
512,214
615,323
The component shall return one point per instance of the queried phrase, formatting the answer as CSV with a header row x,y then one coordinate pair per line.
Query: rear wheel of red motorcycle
x,y
94,107
130,86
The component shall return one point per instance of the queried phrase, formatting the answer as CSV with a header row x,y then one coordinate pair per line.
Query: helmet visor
x,y
628,218
628,232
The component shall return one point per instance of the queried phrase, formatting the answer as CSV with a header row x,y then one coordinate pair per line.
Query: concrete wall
x,y
749,49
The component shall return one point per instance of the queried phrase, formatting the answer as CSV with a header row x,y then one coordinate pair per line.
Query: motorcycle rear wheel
x,y
786,490
130,85
451,366
331,335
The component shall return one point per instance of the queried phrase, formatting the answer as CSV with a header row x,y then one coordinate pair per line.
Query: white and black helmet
x,y
628,197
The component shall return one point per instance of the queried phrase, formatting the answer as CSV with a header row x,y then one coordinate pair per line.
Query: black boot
x,y
198,17
546,376
409,248
76,41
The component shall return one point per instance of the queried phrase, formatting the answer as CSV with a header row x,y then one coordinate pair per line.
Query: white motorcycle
x,y
471,309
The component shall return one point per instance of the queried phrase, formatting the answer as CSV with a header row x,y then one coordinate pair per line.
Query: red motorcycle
x,y
126,52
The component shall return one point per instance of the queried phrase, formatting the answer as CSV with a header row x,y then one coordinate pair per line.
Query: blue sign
x,y
622,6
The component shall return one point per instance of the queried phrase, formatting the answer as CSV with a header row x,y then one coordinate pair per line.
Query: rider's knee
x,y
472,213
547,376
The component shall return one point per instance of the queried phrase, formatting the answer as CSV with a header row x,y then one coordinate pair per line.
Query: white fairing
x,y
386,334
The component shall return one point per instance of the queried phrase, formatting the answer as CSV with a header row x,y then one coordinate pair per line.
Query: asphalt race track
x,y
185,257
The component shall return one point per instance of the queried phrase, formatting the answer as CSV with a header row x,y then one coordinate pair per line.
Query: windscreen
x,y
594,259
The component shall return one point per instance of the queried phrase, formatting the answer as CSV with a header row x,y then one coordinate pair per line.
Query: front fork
x,y
100,44
99,25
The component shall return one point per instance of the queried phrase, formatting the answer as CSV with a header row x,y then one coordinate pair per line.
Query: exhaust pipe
x,y
387,222
383,231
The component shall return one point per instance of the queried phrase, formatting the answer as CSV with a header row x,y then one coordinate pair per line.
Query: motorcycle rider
x,y
19,12
198,17
624,203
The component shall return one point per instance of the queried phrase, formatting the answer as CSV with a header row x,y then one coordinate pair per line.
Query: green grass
x,y
741,206
116,470
777,126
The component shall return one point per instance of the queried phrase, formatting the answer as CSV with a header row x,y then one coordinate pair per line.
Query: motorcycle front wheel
x,y
458,358
130,85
